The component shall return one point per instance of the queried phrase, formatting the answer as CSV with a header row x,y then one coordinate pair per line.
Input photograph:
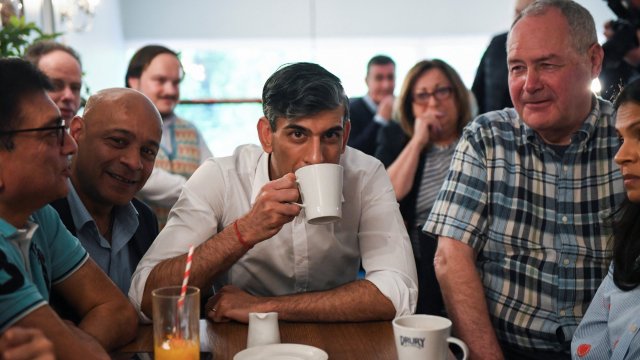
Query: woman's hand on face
x,y
425,128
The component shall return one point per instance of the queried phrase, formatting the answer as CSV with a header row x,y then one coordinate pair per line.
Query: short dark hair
x,y
37,50
18,80
143,57
302,89
379,60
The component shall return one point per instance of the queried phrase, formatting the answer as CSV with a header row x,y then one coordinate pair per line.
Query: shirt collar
x,y
79,212
8,231
126,216
169,119
261,176
370,103
584,133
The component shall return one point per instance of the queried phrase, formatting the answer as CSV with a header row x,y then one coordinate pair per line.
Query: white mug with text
x,y
424,337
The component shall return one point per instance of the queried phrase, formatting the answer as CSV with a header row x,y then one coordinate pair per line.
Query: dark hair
x,y
405,114
143,57
302,89
626,227
379,60
18,80
37,50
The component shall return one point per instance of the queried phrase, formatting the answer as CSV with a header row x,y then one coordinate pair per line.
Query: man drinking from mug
x,y
252,242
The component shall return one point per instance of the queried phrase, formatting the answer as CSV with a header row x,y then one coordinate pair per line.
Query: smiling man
x,y
522,246
156,71
118,138
251,245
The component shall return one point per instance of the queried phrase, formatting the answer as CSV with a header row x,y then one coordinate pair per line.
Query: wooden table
x,y
368,340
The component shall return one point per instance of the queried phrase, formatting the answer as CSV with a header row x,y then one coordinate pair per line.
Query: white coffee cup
x,y
321,192
263,329
424,337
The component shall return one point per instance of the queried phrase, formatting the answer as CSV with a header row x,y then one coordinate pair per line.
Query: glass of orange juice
x,y
176,328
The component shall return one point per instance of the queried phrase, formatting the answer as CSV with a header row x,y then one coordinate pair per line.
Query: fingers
x,y
213,310
230,303
22,344
273,208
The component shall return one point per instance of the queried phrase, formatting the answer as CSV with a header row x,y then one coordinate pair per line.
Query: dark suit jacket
x,y
391,141
491,84
138,245
363,128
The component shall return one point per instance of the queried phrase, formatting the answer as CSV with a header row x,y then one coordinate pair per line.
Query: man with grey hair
x,y
260,256
521,245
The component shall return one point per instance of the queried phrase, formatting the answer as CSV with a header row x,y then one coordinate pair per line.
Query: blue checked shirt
x,y
610,329
534,219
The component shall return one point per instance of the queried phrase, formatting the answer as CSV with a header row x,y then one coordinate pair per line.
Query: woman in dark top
x,y
432,109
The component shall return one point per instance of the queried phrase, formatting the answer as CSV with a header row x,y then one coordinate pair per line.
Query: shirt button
x,y
633,328
565,168
566,261
562,313
565,219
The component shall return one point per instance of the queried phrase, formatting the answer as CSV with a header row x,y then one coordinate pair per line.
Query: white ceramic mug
x,y
263,329
321,192
424,337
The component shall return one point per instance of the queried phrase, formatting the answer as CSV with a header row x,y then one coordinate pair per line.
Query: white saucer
x,y
282,352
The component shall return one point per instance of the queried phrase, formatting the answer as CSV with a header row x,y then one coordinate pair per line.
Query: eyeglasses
x,y
58,131
441,93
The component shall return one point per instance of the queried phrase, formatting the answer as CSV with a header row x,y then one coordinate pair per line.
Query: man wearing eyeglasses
x,y
522,246
373,110
38,256
118,137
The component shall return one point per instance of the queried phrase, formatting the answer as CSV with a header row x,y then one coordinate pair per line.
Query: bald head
x,y
116,102
118,138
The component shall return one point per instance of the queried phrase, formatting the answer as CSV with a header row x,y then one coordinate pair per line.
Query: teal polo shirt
x,y
32,259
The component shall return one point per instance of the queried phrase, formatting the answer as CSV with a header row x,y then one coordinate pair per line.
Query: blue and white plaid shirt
x,y
535,219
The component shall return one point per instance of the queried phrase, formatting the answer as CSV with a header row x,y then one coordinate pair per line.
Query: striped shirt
x,y
534,219
611,327
436,167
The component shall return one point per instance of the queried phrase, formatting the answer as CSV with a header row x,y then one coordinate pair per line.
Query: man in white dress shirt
x,y
255,251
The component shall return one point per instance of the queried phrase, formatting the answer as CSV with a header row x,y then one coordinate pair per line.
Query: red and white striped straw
x,y
185,280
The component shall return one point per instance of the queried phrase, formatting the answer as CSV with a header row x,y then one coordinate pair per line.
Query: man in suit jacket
x,y
373,110
490,86
118,138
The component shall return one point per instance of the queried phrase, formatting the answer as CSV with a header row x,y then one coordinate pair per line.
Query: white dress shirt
x,y
301,257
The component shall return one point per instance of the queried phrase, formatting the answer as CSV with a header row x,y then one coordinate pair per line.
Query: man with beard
x,y
156,71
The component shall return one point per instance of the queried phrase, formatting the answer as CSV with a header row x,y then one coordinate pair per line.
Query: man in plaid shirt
x,y
522,246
